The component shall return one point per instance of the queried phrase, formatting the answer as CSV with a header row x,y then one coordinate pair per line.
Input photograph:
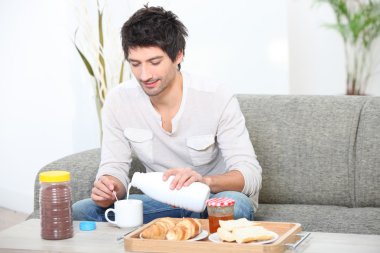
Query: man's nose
x,y
145,73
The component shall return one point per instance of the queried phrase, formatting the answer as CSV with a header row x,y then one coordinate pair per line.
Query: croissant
x,y
159,229
170,222
185,229
156,231
168,228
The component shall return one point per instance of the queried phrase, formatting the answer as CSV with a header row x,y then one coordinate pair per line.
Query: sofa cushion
x,y
305,145
322,218
368,155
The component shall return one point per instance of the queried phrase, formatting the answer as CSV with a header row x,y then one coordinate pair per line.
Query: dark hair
x,y
153,26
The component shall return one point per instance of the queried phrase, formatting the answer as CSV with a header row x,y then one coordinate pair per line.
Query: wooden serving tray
x,y
287,234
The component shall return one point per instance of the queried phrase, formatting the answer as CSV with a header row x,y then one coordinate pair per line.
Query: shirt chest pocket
x,y
202,149
141,141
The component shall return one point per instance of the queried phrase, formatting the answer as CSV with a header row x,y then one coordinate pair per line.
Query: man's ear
x,y
179,57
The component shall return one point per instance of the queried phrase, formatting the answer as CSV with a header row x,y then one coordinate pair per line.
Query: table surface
x,y
25,237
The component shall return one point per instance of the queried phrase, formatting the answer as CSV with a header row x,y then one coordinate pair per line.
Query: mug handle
x,y
106,215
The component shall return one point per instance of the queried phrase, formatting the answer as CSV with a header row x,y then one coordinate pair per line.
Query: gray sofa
x,y
320,157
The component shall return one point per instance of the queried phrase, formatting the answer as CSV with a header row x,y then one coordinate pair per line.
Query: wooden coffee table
x,y
25,237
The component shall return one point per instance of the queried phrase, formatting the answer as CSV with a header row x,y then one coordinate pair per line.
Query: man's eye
x,y
156,62
134,64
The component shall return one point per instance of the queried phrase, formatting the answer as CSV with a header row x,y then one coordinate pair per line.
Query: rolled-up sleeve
x,y
236,147
116,152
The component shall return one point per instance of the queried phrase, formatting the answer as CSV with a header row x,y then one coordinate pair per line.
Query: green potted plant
x,y
104,64
358,23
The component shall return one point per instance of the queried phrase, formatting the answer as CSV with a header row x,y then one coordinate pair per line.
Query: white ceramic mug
x,y
128,213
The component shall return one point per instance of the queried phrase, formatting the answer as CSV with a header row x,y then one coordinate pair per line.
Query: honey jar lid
x,y
220,202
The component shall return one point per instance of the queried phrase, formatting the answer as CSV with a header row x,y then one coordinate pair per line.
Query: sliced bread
x,y
229,225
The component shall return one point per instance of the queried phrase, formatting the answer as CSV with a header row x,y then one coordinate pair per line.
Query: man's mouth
x,y
151,84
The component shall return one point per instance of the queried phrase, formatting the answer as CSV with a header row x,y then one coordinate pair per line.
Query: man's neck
x,y
171,98
167,104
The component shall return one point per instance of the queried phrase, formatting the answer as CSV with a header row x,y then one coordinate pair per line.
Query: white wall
x,y
45,113
47,108
35,126
316,54
47,102
241,43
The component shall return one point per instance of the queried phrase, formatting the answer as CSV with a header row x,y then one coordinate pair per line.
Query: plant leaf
x,y
121,72
101,44
85,61
100,27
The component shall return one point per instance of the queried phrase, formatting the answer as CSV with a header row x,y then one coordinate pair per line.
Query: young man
x,y
176,123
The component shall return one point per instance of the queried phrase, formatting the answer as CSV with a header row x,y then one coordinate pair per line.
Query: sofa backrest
x,y
306,146
313,150
367,162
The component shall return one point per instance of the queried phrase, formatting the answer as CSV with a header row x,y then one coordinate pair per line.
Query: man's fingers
x,y
107,183
103,189
184,180
168,173
185,177
182,177
99,194
190,181
174,183
96,197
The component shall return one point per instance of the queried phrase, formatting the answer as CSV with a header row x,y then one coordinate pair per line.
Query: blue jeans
x,y
86,209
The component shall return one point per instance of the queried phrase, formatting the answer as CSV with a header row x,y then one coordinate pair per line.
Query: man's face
x,y
153,69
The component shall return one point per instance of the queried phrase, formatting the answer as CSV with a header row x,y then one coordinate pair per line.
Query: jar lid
x,y
220,202
54,176
87,225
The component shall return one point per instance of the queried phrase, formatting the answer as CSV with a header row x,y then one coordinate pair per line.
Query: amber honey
x,y
219,209
214,222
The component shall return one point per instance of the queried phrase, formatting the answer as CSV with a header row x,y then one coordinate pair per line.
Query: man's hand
x,y
102,192
182,177
230,181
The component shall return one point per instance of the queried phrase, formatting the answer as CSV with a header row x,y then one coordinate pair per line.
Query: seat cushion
x,y
322,218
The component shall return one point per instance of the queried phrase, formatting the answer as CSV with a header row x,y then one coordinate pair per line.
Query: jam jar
x,y
219,209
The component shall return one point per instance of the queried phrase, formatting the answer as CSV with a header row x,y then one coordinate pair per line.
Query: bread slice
x,y
253,233
225,235
229,225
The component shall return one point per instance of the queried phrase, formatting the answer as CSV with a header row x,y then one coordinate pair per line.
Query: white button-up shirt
x,y
208,134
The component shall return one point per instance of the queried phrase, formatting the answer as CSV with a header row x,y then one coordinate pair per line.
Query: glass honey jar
x,y
219,209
